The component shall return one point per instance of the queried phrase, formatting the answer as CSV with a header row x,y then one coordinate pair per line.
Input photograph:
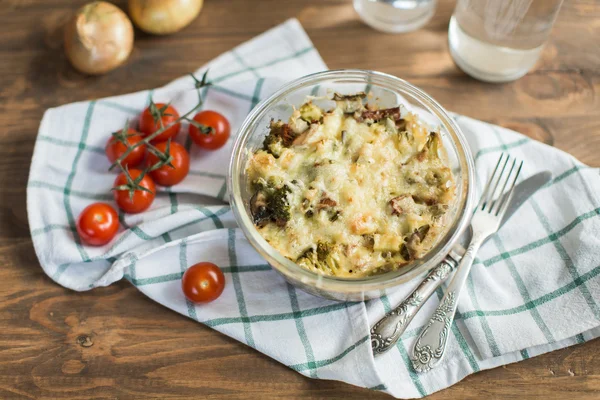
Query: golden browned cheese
x,y
351,191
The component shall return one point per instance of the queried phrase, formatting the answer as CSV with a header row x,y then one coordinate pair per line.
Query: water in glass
x,y
500,41
395,16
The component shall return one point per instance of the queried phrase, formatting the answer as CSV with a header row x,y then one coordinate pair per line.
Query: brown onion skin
x,y
163,17
98,38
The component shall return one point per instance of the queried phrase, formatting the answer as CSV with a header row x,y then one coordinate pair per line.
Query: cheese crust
x,y
352,191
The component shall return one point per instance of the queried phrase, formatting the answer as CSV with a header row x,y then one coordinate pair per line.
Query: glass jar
x,y
500,41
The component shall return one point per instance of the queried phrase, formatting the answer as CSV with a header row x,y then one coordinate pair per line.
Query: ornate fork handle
x,y
431,343
388,330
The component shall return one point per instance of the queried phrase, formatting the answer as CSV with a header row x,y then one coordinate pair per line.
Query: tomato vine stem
x,y
164,158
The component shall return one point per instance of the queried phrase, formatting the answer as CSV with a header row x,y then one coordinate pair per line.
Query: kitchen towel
x,y
534,288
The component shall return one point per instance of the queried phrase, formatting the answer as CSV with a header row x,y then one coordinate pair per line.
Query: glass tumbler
x,y
500,40
395,16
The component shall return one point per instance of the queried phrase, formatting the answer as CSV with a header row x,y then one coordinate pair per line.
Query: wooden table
x,y
140,349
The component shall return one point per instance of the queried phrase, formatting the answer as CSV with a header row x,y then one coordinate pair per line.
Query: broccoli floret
x,y
321,257
272,144
323,250
309,112
279,205
438,210
270,202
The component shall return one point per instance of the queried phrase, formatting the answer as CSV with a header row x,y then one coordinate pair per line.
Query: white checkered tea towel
x,y
534,288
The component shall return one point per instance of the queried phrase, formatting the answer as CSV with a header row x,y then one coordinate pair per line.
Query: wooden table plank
x,y
142,350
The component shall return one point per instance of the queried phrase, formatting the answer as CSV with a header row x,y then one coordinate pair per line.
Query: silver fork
x,y
430,346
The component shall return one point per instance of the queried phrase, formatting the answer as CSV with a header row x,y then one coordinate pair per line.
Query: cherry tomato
x,y
141,199
151,118
166,175
219,132
98,224
203,282
115,149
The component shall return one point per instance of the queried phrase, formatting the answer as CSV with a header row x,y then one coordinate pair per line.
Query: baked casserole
x,y
351,191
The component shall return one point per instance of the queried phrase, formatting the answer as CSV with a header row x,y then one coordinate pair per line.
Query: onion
x,y
98,38
162,17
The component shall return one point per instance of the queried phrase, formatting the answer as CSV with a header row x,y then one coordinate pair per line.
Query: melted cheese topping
x,y
350,192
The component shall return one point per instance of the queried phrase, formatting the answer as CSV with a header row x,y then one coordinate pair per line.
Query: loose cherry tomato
x,y
115,148
216,134
141,199
98,224
203,282
167,175
151,118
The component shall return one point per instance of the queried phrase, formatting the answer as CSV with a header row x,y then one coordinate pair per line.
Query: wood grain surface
x,y
114,342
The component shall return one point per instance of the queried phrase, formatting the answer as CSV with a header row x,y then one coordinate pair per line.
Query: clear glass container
x,y
500,41
395,16
387,91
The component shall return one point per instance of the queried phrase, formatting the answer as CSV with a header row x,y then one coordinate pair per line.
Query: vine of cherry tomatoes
x,y
148,158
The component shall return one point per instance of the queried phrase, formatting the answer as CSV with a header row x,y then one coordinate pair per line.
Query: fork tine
x,y
484,195
495,206
494,181
509,195
490,200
